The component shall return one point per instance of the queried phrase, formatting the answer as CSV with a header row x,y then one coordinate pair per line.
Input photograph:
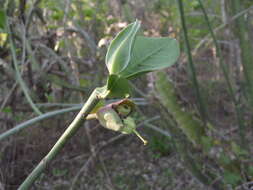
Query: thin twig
x,y
28,123
30,14
207,39
18,75
91,42
111,185
225,73
8,96
85,166
201,106
153,127
57,57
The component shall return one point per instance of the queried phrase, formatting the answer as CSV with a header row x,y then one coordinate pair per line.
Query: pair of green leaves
x,y
130,55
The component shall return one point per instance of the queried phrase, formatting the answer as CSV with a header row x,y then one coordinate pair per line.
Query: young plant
x,y
129,55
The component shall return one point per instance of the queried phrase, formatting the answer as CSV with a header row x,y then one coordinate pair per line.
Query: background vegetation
x,y
196,115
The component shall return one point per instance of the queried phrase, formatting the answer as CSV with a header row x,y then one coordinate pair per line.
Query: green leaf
x,y
2,20
118,86
150,54
119,52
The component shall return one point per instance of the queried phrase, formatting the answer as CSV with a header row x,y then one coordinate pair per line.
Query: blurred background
x,y
196,115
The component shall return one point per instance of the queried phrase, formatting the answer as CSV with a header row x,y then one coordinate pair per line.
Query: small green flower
x,y
116,117
130,127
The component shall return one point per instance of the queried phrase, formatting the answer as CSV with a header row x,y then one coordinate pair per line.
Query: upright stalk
x,y
201,105
70,131
18,74
226,75
241,32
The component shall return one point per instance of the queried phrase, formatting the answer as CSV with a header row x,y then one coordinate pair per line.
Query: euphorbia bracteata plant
x,y
129,55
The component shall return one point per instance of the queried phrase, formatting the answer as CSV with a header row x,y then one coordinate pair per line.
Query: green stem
x,y
142,139
219,28
225,73
28,123
201,106
241,31
18,74
70,131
